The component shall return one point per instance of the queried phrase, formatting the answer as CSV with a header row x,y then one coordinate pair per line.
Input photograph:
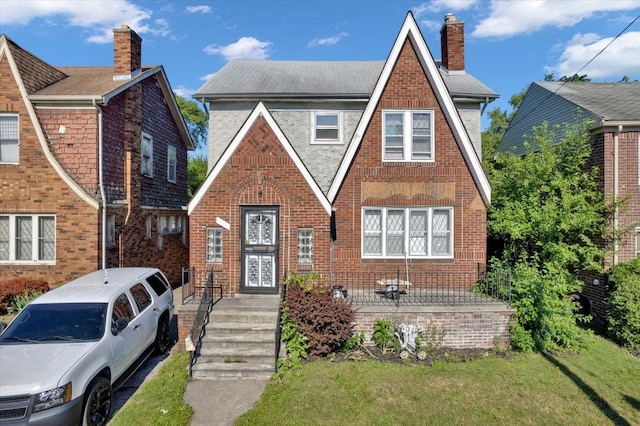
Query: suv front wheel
x,y
97,402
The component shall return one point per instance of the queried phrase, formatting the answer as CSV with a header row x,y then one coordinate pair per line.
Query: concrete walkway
x,y
220,402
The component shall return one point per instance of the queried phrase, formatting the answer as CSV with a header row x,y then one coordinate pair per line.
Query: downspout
x,y
103,198
616,168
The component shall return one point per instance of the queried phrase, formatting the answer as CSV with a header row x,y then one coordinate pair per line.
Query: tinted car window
x,y
141,296
121,310
158,283
57,322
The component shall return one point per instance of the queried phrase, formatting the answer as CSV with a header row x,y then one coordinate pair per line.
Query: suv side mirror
x,y
119,325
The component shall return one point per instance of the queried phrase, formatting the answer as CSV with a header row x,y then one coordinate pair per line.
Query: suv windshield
x,y
58,322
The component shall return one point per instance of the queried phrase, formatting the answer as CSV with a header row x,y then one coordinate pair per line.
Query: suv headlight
x,y
52,398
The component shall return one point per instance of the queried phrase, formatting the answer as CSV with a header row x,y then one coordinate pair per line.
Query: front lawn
x,y
597,387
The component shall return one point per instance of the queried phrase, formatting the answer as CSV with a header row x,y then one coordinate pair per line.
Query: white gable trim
x,y
6,52
411,31
259,110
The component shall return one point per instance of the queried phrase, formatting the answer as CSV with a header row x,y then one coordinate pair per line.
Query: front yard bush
x,y
326,322
623,306
17,287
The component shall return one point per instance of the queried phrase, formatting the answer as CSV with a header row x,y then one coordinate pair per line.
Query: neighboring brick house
x,y
344,167
93,166
614,109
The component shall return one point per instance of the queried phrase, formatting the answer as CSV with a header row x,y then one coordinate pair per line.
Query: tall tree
x,y
197,123
548,213
195,119
500,119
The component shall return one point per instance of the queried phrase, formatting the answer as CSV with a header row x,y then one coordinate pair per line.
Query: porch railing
x,y
426,288
205,295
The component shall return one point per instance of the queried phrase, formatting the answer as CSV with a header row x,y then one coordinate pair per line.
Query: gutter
x,y
616,170
103,197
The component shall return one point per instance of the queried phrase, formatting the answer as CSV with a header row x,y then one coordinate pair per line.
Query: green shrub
x,y
383,336
19,301
623,306
13,287
325,321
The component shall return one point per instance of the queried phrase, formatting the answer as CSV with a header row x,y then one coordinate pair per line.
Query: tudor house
x,y
93,166
343,167
614,111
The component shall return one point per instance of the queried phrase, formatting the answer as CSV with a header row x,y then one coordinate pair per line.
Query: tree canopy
x,y
195,119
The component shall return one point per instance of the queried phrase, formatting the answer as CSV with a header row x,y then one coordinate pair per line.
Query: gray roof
x,y
557,103
314,79
609,101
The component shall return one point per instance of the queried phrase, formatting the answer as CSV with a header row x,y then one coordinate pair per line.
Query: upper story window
x,y
147,155
326,127
28,238
171,164
407,135
170,224
413,232
9,140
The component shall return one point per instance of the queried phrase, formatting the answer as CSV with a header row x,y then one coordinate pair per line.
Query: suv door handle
x,y
136,327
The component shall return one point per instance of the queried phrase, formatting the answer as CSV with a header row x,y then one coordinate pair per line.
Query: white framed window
x,y
170,224
326,127
214,245
147,155
9,139
28,238
171,164
111,230
407,135
412,232
305,245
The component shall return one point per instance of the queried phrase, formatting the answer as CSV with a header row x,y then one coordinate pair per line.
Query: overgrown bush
x,y
623,306
13,287
325,321
19,301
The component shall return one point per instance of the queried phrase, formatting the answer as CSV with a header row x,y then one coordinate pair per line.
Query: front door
x,y
259,252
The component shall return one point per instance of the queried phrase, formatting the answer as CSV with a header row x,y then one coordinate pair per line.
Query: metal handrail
x,y
205,304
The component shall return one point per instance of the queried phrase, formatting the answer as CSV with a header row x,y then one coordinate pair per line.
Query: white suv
x,y
63,355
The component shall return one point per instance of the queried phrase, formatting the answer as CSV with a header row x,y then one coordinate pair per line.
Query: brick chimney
x,y
452,43
127,53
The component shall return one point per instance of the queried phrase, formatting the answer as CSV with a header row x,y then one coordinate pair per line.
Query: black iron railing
x,y
204,296
426,288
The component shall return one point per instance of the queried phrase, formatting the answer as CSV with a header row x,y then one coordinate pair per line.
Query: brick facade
x,y
444,182
71,134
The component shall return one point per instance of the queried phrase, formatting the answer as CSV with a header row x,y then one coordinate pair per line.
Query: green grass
x,y
160,400
597,387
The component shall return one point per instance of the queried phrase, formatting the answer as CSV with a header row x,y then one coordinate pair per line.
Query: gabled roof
x,y
607,104
253,79
259,111
411,32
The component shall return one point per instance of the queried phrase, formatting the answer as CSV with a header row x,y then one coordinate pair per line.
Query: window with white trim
x,y
171,164
305,246
171,224
147,155
111,230
148,226
214,245
9,138
28,238
407,135
414,232
326,127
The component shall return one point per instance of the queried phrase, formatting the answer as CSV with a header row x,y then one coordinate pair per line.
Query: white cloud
x,y
509,18
244,48
437,8
199,9
98,17
619,59
329,41
207,76
183,92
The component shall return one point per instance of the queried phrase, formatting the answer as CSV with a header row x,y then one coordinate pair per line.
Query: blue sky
x,y
508,44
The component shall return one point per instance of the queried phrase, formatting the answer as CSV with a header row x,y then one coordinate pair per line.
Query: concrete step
x,y
230,315
231,370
